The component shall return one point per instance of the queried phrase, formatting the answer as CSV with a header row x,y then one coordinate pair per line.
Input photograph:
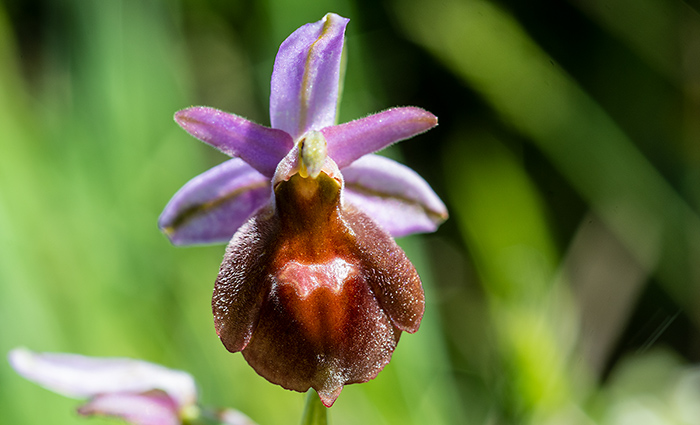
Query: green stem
x,y
315,413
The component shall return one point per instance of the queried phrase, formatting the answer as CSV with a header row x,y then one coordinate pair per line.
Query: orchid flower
x,y
136,391
312,289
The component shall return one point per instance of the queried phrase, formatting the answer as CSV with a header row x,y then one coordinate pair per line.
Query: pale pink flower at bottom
x,y
136,391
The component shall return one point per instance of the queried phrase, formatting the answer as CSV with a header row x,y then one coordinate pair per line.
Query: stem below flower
x,y
315,413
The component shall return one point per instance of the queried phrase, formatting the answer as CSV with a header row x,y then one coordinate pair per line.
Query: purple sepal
x,y
305,78
213,205
394,195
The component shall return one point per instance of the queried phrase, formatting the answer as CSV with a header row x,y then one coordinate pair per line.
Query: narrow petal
x,y
153,408
394,195
305,79
261,147
77,376
212,206
350,141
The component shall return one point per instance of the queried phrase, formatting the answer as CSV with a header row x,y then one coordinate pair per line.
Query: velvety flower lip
x,y
312,289
318,308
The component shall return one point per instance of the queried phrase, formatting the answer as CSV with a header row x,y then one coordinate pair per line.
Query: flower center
x,y
313,150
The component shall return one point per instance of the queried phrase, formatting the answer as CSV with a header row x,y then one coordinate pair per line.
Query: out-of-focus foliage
x,y
563,289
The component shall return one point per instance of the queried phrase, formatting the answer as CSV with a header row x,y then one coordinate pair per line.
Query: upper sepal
x,y
306,75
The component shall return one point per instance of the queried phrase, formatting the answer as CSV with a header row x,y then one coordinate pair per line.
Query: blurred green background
x,y
564,289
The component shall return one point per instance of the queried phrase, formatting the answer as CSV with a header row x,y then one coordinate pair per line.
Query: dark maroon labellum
x,y
313,292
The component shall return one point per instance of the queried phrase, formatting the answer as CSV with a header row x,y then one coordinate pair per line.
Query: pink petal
x,y
154,408
350,141
261,147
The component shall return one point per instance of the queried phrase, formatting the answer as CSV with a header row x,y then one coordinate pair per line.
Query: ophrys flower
x,y
313,289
